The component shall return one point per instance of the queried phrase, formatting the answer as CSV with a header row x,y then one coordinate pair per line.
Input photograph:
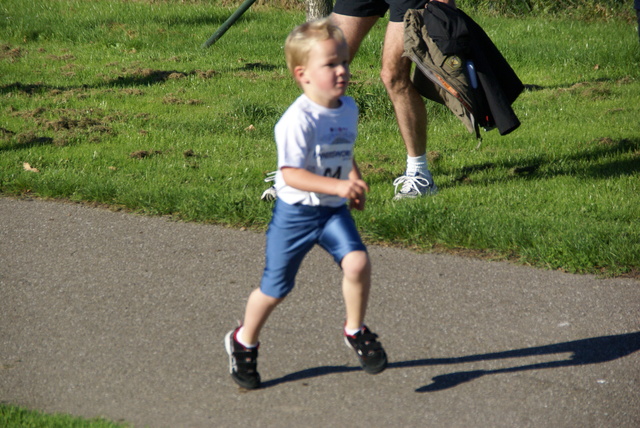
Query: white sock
x,y
351,331
416,164
239,339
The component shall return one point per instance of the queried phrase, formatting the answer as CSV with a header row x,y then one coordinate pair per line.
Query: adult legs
x,y
410,111
355,29
408,104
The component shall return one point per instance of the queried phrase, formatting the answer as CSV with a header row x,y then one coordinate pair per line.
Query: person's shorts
x,y
292,233
368,8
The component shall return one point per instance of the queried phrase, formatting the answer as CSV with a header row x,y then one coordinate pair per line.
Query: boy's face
x,y
325,77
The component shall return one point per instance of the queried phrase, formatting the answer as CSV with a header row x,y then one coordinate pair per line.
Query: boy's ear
x,y
298,73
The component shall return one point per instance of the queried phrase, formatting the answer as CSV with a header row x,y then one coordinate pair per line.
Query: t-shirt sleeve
x,y
292,136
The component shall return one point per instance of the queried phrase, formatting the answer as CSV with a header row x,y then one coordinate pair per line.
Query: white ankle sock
x,y
416,164
239,339
351,331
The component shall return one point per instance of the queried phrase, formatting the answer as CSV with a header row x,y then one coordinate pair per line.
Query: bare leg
x,y
259,307
355,29
356,284
408,105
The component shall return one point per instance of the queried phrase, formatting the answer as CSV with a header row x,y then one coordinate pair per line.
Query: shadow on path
x,y
586,351
583,352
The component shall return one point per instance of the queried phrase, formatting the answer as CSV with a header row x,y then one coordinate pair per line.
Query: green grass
x,y
575,9
116,103
18,417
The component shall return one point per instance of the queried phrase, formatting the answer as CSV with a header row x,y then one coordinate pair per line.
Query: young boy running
x,y
316,175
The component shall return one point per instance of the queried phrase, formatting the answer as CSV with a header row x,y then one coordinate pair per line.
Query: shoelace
x,y
410,183
271,176
270,194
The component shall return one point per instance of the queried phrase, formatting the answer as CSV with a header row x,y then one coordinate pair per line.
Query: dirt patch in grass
x,y
146,76
65,125
591,90
9,53
172,99
141,154
5,133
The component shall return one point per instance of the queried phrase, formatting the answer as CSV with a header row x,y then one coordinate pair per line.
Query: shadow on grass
x,y
131,78
540,166
27,141
583,352
534,87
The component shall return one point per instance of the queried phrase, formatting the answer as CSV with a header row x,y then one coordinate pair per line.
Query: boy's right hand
x,y
353,188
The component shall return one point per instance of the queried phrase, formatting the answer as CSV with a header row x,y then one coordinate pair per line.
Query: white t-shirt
x,y
318,139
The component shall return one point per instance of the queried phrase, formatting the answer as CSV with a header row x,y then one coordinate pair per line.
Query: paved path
x,y
122,316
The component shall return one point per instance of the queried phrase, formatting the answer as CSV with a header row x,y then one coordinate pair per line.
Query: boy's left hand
x,y
355,191
357,203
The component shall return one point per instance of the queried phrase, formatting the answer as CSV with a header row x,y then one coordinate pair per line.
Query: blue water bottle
x,y
473,77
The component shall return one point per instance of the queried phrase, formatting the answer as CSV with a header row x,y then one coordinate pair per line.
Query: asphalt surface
x,y
109,314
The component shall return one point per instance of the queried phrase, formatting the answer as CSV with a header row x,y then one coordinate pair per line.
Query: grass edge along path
x,y
127,112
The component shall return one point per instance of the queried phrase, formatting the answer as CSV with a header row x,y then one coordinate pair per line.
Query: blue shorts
x,y
368,8
292,233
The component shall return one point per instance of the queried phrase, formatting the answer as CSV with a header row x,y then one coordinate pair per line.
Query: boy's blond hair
x,y
303,37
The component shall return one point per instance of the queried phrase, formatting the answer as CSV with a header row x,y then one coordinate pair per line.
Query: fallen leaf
x,y
28,167
250,128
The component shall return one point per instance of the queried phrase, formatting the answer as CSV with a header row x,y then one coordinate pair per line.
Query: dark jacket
x,y
442,41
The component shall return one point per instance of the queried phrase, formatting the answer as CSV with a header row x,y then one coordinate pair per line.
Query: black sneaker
x,y
370,353
243,362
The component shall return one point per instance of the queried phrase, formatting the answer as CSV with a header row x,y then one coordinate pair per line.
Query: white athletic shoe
x,y
414,185
269,194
